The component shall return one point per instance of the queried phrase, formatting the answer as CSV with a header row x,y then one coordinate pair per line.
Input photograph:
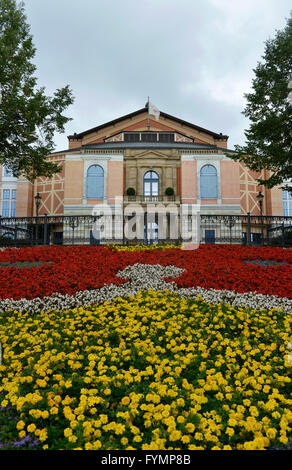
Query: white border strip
x,y
144,277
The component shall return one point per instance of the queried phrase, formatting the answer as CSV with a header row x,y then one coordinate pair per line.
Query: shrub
x,y
131,192
169,192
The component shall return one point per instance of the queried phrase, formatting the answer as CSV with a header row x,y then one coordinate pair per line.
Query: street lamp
x,y
73,223
229,222
37,203
38,199
260,198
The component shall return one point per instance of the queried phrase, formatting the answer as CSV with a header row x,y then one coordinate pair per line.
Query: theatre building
x,y
143,159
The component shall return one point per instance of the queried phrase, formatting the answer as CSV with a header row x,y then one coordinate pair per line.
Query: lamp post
x,y
229,222
260,198
73,223
37,203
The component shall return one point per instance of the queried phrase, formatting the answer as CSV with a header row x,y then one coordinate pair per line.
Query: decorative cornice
x,y
202,155
99,155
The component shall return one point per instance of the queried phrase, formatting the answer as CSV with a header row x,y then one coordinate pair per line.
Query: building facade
x,y
139,159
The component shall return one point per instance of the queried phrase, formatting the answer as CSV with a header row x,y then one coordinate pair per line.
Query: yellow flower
x,y
180,419
43,435
31,427
175,435
253,411
180,402
229,431
119,428
20,425
67,432
190,427
232,422
97,445
175,329
271,433
134,430
41,383
283,439
125,401
35,413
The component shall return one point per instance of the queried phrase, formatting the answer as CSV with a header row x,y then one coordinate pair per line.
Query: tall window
x,y
287,203
95,182
151,184
8,202
208,182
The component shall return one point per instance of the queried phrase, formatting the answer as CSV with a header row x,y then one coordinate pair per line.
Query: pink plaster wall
x,y
189,188
276,201
115,180
24,200
73,179
230,180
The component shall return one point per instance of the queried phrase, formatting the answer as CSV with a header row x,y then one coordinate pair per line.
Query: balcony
x,y
141,199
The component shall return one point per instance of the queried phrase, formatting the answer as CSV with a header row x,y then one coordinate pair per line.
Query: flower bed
x,y
108,349
81,268
149,372
145,276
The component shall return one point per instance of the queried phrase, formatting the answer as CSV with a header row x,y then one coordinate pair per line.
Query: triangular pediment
x,y
139,121
151,154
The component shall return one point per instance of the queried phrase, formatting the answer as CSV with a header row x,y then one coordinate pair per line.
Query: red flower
x,y
79,268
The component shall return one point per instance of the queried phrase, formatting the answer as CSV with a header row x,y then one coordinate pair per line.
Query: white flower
x,y
145,276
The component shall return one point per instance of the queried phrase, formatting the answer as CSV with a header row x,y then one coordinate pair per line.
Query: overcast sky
x,y
194,58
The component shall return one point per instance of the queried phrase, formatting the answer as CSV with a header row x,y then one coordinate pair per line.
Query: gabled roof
x,y
215,135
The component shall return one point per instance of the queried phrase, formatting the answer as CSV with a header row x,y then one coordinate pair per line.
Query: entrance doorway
x,y
151,232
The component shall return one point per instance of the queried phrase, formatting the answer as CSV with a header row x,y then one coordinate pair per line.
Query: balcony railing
x,y
146,199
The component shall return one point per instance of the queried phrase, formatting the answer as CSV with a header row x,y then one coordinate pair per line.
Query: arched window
x,y
208,182
151,184
95,182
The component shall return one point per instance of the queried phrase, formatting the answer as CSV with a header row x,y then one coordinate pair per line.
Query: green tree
x,y
269,109
28,118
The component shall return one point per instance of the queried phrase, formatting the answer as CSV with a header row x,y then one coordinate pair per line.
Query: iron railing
x,y
148,199
80,229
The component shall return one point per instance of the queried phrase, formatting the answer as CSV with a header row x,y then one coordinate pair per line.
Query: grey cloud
x,y
194,58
